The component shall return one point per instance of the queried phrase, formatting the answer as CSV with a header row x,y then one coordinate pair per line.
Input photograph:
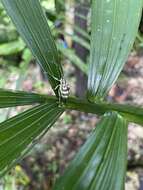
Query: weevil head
x,y
63,81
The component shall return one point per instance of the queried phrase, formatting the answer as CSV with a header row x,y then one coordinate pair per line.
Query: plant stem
x,y
131,113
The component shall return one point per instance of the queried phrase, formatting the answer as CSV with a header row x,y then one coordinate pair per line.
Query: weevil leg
x,y
57,87
59,93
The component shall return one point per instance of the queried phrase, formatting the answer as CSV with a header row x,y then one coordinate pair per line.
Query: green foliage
x,y
131,113
68,53
139,41
17,98
60,17
101,163
111,42
36,33
60,6
16,180
13,47
7,34
20,132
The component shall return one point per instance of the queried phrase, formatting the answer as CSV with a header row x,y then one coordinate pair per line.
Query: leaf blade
x,y
32,25
114,28
101,162
10,98
17,133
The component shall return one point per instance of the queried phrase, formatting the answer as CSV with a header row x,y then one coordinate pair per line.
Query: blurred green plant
x,y
15,180
101,162
67,119
139,41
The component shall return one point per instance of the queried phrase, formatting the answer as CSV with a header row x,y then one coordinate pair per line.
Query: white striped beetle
x,y
63,90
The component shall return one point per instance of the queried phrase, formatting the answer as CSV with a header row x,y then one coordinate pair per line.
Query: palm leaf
x,y
9,98
101,162
20,132
114,28
32,25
